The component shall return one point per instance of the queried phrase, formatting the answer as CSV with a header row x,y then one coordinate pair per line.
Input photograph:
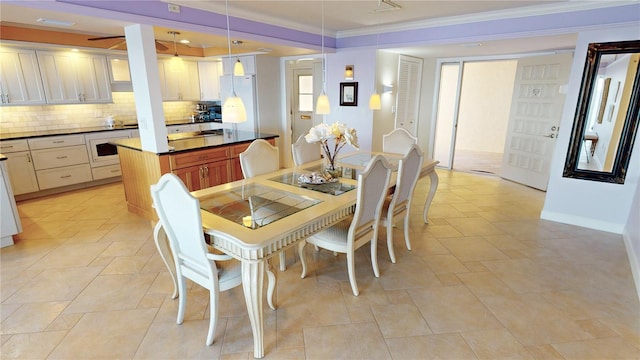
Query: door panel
x,y
303,102
534,119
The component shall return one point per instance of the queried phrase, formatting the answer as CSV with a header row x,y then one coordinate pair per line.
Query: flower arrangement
x,y
323,132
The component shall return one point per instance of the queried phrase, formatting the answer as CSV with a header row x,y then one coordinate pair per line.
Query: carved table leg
x,y
252,282
432,192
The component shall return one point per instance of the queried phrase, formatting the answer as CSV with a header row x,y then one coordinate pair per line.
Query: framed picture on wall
x,y
349,94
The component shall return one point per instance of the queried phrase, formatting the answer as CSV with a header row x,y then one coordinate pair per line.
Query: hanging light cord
x,y
226,7
324,56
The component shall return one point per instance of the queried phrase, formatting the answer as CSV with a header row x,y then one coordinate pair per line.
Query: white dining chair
x,y
304,152
398,141
361,228
399,204
259,158
179,215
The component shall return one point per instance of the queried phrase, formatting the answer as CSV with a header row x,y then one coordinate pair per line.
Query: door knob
x,y
305,117
550,136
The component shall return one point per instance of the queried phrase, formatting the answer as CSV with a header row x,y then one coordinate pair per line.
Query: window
x,y
305,93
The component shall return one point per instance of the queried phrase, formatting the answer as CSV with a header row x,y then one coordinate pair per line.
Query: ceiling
x,y
341,18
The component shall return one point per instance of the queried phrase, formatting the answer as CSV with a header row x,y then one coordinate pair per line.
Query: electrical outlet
x,y
174,8
393,109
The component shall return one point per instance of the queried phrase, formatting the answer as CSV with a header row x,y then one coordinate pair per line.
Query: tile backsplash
x,y
17,119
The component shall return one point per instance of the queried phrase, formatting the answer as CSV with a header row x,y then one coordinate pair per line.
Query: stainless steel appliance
x,y
209,111
101,153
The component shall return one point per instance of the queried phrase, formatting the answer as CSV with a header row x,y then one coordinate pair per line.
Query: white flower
x,y
322,133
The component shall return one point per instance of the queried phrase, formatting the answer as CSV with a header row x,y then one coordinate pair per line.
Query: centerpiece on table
x,y
339,135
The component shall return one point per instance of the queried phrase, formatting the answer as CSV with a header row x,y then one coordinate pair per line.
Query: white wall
x,y
632,238
590,204
359,117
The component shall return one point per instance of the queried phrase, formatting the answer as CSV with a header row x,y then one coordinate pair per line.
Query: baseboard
x,y
589,223
67,188
633,261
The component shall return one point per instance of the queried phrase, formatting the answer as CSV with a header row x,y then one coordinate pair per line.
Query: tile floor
x,y
486,279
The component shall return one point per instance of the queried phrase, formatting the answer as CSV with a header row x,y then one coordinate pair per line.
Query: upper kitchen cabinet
x,y
74,78
248,63
179,79
209,72
119,74
20,81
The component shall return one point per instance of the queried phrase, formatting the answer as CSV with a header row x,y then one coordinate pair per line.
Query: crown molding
x,y
537,10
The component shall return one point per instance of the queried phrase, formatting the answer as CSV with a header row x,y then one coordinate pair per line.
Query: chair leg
x,y
374,254
162,244
406,230
303,261
392,253
182,299
271,286
213,313
352,272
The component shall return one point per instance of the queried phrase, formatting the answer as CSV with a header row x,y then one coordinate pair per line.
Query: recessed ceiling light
x,y
471,44
184,41
55,22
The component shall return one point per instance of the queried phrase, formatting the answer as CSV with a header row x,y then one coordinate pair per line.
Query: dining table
x,y
265,215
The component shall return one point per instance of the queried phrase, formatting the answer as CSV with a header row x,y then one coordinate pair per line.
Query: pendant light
x,y
374,100
322,105
233,110
238,68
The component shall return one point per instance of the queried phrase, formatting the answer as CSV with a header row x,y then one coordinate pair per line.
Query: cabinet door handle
x,y
65,176
6,96
61,157
206,171
58,142
115,171
28,157
7,146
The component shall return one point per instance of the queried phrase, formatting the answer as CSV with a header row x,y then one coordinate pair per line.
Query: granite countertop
x,y
2,157
83,130
184,142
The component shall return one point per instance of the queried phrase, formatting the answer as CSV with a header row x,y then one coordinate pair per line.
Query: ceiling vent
x,y
386,5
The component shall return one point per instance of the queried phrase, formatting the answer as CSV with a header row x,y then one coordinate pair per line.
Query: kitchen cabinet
x,y
209,73
179,79
248,62
20,80
60,160
9,217
73,78
201,169
119,74
22,174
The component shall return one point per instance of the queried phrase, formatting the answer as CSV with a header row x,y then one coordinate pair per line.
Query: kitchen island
x,y
201,159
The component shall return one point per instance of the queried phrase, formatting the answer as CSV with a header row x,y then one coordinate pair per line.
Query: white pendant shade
x,y
238,69
322,105
233,110
374,101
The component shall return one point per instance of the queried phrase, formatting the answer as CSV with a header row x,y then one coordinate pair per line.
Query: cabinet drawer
x,y
105,172
9,146
70,175
198,157
54,158
55,141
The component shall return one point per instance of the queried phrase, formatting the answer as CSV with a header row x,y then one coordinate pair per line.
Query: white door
x,y
303,102
408,94
536,108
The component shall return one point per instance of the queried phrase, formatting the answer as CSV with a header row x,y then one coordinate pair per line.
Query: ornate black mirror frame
x,y
627,136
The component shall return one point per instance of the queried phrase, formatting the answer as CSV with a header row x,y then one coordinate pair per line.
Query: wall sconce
x,y
348,72
387,89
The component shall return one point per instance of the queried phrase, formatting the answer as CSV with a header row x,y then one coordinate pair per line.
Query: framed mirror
x,y
606,119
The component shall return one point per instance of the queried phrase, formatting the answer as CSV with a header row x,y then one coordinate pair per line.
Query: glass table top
x,y
255,206
291,178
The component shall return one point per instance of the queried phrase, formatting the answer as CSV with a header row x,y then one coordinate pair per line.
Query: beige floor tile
x,y
474,226
484,284
55,285
436,346
31,318
440,264
351,341
544,352
611,348
440,306
473,248
495,344
400,320
100,335
31,346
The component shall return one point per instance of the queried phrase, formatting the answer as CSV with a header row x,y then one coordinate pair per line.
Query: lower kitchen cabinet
x,y
205,175
68,175
20,166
